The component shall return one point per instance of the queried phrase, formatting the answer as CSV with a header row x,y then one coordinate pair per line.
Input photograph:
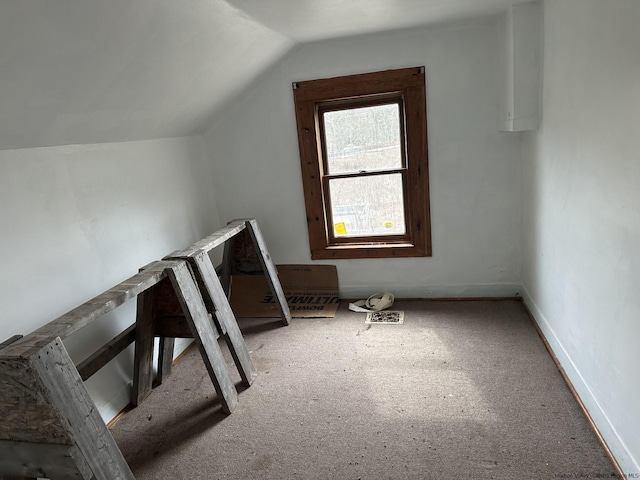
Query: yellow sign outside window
x,y
340,228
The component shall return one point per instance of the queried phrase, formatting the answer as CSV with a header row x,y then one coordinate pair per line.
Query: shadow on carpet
x,y
459,390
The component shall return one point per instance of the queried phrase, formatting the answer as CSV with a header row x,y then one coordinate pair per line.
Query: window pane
x,y
366,138
371,205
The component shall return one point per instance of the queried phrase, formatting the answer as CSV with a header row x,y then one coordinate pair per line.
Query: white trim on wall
x,y
627,464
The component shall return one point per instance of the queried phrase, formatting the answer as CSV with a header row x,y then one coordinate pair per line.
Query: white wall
x,y
474,169
77,220
581,179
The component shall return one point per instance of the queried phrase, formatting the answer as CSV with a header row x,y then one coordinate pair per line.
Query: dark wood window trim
x,y
405,86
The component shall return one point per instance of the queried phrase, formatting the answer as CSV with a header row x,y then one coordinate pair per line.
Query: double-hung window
x,y
363,152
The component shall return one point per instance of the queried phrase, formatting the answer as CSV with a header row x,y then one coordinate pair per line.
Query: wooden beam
x,y
214,240
213,291
65,390
143,357
271,273
166,348
9,341
105,354
38,460
26,414
204,334
172,326
89,311
226,268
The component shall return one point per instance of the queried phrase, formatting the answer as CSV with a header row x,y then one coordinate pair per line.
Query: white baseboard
x,y
624,458
122,397
435,291
118,402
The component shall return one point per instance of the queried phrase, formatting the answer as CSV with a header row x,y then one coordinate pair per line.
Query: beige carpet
x,y
460,390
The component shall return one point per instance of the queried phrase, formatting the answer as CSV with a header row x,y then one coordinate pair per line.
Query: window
x,y
363,152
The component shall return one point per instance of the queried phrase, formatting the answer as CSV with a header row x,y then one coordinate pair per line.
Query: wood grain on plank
x,y
204,334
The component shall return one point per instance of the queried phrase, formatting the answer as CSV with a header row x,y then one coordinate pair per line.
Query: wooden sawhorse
x,y
215,292
50,426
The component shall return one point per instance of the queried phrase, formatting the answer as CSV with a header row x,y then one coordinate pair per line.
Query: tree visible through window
x,y
363,149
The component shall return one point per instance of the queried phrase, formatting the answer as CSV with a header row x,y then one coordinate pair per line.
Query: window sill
x,y
370,250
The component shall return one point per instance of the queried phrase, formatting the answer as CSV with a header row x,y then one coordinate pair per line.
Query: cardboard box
x,y
311,291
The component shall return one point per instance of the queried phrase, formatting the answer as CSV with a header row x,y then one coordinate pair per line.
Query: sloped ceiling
x,y
92,71
308,20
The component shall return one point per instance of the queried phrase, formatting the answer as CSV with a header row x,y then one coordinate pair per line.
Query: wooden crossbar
x,y
105,354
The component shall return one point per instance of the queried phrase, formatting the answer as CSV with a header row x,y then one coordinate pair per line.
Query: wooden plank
x,y
166,301
66,391
165,356
225,274
244,256
109,300
143,357
214,240
24,409
176,326
204,334
172,326
167,305
271,273
211,288
10,340
145,320
89,311
105,354
43,460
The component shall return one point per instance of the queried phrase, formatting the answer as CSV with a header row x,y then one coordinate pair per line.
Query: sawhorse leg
x,y
227,324
143,356
96,448
202,330
269,269
204,334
